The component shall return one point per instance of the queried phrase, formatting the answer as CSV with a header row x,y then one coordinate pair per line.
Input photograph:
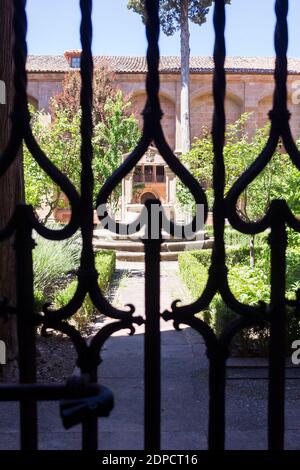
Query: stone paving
x,y
184,387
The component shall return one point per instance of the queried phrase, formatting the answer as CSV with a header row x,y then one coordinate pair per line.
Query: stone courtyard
x,y
184,386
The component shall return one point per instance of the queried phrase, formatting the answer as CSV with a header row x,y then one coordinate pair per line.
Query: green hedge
x,y
105,262
234,255
193,273
234,238
248,285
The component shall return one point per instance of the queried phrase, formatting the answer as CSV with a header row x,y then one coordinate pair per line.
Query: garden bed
x,y
249,285
56,354
55,281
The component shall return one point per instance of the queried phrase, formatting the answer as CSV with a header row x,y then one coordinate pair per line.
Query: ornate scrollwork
x,y
277,217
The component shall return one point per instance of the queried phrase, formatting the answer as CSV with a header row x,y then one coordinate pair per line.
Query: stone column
x,y
123,201
127,184
170,186
178,143
128,187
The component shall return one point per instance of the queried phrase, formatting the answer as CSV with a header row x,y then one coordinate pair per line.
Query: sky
x,y
53,27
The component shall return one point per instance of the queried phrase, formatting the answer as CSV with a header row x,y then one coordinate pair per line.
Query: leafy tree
x,y
174,16
69,98
114,137
61,141
280,178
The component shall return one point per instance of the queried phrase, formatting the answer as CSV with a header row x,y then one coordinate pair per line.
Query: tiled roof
x,y
168,64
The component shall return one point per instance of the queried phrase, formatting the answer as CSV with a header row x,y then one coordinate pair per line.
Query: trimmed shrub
x,y
234,238
53,265
249,285
193,273
52,261
234,255
105,262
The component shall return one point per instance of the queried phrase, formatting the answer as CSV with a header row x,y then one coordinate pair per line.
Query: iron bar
x,y
152,333
277,218
45,392
278,242
24,245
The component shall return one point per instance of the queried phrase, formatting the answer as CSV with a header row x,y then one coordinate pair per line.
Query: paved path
x,y
184,387
183,422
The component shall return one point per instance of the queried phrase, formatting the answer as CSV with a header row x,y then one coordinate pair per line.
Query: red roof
x,y
168,64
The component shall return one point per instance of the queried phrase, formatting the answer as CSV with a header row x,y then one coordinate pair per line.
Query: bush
x,y
53,262
193,273
234,255
249,286
105,262
233,238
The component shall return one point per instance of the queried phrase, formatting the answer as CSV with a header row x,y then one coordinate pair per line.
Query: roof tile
x,y
168,64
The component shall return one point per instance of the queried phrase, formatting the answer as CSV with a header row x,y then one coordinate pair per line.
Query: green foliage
x,y
84,314
280,178
105,262
249,286
61,141
39,300
293,238
113,138
233,238
199,161
234,255
52,262
170,12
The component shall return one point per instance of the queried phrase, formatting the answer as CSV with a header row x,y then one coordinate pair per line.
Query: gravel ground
x,y
56,358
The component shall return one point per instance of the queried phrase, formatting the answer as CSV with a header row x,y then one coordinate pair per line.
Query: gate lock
x,y
76,410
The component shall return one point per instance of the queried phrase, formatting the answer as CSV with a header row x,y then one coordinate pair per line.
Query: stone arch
x,y
138,100
207,90
147,195
202,107
266,104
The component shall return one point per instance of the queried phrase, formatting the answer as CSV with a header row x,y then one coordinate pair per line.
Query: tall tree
x,y
174,16
69,98
10,183
115,135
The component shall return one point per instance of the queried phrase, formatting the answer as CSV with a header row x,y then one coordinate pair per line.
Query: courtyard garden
x,y
249,284
116,132
55,281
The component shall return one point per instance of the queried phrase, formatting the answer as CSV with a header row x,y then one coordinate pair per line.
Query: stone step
x,y
137,256
137,247
101,234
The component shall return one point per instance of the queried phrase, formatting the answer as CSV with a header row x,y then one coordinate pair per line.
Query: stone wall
x,y
245,93
42,87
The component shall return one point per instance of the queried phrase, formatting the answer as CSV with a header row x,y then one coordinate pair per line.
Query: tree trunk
x,y
252,251
10,186
185,76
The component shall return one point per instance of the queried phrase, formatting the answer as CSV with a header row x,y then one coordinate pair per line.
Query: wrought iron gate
x,y
84,400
